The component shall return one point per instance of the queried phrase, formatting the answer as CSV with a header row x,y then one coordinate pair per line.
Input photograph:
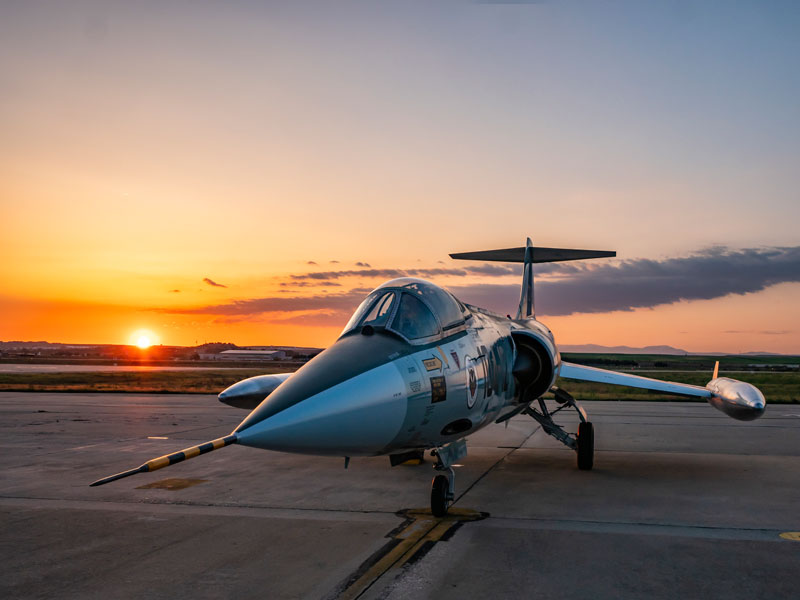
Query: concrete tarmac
x,y
683,502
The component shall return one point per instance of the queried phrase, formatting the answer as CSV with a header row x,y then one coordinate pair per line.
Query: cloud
x,y
386,273
213,283
483,270
760,332
495,270
311,262
334,262
568,289
346,302
711,273
174,291
363,264
315,319
305,283
327,275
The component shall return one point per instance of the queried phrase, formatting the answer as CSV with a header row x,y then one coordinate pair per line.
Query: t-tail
x,y
530,254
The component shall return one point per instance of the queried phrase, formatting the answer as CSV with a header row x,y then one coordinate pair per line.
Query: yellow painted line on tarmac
x,y
791,535
423,529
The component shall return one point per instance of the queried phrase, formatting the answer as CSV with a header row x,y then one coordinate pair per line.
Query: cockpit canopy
x,y
414,308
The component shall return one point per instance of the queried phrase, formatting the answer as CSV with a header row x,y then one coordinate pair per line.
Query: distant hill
x,y
597,349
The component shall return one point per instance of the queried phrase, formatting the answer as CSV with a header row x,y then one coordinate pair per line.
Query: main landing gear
x,y
582,442
443,487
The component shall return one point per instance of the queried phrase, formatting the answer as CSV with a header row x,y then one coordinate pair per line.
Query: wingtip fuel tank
x,y
736,399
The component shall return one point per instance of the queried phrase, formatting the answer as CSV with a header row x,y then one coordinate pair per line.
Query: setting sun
x,y
143,338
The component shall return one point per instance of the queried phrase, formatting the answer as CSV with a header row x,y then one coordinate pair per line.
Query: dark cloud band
x,y
641,283
563,289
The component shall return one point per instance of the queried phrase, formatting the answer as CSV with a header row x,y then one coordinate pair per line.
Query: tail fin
x,y
530,254
527,309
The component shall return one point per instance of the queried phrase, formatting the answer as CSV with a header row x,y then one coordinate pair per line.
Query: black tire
x,y
585,446
439,490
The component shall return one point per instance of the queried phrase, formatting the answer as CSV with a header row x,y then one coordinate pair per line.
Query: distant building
x,y
250,355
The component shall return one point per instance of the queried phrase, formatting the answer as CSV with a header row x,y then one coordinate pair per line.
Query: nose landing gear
x,y
442,493
443,487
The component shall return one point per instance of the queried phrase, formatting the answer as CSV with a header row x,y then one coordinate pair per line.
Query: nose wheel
x,y
440,495
443,486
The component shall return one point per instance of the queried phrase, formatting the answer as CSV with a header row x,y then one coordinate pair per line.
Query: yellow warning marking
x,y
791,535
432,364
444,356
192,452
218,444
157,463
171,484
453,514
424,528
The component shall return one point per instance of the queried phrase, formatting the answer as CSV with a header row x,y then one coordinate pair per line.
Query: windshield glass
x,y
360,311
379,306
380,311
414,320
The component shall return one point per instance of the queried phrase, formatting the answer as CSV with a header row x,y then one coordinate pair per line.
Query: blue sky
x,y
146,146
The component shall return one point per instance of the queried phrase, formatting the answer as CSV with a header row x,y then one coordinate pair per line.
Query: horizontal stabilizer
x,y
540,255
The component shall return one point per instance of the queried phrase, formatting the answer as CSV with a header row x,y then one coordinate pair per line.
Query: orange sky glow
x,y
186,186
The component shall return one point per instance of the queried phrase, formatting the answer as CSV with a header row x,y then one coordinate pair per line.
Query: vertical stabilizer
x,y
528,254
527,310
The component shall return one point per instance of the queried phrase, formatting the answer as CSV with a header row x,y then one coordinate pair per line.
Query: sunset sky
x,y
248,171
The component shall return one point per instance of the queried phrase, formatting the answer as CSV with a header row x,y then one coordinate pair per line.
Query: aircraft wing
x,y
581,373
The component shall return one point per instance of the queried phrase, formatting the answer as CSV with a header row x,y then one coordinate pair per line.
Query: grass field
x,y
778,387
179,382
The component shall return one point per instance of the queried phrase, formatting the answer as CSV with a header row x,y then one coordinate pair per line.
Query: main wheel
x,y
439,489
585,446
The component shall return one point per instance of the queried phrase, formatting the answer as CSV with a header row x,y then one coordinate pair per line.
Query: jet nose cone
x,y
349,400
359,416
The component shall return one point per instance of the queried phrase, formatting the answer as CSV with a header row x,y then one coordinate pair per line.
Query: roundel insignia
x,y
472,386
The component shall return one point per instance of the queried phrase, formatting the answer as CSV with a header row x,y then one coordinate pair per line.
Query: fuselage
x,y
386,386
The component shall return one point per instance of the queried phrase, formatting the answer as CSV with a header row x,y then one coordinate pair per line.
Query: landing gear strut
x,y
443,487
582,442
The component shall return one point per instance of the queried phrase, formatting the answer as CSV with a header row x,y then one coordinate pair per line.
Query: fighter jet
x,y
415,370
